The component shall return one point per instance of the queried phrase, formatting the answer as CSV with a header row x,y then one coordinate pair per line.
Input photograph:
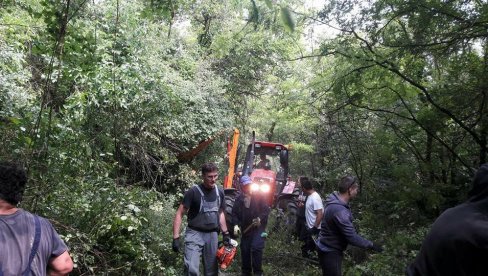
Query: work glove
x,y
237,230
264,235
377,247
226,238
314,231
256,222
176,245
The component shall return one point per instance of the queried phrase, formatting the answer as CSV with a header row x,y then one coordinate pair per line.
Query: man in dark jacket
x,y
337,230
250,216
457,244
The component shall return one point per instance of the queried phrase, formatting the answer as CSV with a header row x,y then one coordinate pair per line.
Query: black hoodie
x,y
457,244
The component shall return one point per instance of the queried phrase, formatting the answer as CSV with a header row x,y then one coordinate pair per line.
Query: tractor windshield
x,y
269,157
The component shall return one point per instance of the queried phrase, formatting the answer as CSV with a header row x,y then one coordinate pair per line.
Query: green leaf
x,y
268,3
28,140
15,121
287,19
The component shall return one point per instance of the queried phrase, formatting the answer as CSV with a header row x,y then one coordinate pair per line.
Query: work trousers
x,y
331,263
252,247
198,244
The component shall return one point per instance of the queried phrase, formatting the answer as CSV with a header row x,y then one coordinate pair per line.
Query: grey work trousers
x,y
198,244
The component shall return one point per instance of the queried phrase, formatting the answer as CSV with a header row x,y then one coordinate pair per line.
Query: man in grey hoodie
x,y
337,230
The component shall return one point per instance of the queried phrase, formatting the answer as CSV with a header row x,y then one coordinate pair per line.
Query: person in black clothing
x,y
250,216
300,222
337,230
457,243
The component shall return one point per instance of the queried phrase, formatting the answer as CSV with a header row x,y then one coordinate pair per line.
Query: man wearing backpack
x,y
29,245
204,205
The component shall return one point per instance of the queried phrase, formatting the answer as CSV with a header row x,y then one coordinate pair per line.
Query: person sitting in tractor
x,y
250,213
264,162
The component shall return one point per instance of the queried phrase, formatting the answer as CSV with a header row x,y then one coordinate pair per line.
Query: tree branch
x,y
388,65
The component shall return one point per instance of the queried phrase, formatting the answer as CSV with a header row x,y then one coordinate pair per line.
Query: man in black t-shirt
x,y
204,205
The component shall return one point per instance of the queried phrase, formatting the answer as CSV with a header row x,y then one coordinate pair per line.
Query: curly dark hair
x,y
12,182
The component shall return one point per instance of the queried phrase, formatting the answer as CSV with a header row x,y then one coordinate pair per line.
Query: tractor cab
x,y
267,165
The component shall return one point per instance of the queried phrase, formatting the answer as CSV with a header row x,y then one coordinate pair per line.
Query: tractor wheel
x,y
291,216
286,216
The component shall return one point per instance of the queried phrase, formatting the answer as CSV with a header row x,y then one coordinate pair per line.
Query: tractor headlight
x,y
265,188
254,187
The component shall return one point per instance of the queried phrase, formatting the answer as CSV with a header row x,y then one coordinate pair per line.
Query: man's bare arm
x,y
223,224
177,221
60,265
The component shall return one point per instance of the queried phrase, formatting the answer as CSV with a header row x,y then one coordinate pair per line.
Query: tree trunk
x,y
270,133
428,159
484,110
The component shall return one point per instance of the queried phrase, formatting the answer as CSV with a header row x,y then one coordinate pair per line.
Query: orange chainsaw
x,y
226,254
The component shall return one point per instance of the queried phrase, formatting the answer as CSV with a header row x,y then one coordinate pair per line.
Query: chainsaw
x,y
226,254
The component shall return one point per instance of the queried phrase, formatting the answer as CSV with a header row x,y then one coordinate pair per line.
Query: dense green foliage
x,y
101,100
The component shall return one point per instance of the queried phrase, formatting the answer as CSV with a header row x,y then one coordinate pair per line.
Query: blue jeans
x,y
252,247
331,263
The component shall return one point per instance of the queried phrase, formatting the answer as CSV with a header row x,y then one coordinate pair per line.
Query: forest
x,y
103,100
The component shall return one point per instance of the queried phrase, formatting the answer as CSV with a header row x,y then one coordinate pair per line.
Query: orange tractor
x,y
267,165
